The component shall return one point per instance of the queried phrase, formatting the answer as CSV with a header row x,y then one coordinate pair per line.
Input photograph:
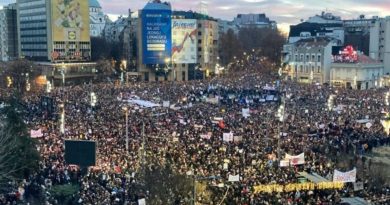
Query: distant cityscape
x,y
29,30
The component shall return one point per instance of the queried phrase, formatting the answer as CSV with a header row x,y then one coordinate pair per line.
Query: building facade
x,y
352,69
309,60
380,42
54,30
191,52
254,20
8,33
97,19
312,29
113,30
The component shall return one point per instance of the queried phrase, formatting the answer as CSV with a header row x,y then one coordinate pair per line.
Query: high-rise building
x,y
54,30
8,33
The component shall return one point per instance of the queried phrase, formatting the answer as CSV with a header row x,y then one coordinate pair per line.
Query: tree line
x,y
263,42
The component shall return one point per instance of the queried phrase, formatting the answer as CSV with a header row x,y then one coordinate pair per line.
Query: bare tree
x,y
8,167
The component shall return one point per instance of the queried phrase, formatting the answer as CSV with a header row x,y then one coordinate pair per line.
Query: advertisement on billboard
x,y
184,32
70,20
156,36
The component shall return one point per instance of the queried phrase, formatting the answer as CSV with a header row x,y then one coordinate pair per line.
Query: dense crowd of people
x,y
187,138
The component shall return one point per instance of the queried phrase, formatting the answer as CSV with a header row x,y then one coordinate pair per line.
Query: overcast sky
x,y
285,12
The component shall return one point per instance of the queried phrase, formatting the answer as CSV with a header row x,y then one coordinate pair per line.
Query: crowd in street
x,y
187,138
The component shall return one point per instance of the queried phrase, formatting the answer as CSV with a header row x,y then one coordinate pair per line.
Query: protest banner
x,y
296,160
36,133
228,137
349,176
245,112
234,178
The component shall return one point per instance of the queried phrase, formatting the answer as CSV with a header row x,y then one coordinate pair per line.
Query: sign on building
x,y
184,41
156,36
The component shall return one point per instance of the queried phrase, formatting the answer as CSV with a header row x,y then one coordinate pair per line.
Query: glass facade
x,y
33,29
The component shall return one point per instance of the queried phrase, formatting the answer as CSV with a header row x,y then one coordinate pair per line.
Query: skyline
x,y
284,12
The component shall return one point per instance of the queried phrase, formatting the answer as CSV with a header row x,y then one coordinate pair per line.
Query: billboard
x,y
70,20
156,36
184,43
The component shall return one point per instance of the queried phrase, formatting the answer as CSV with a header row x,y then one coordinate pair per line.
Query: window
x,y
199,33
307,58
319,58
183,76
313,57
199,49
296,57
199,25
199,41
301,68
301,60
319,69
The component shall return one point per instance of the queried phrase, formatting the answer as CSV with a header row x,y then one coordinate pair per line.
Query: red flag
x,y
221,124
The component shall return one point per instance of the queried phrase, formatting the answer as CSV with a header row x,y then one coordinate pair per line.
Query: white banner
x,y
245,112
141,202
296,160
36,133
344,176
166,104
234,178
206,136
284,163
212,100
237,138
228,137
358,186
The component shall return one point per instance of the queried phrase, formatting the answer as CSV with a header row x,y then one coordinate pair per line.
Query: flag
x,y
344,176
221,124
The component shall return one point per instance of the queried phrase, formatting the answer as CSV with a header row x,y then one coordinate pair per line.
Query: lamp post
x,y
127,127
280,115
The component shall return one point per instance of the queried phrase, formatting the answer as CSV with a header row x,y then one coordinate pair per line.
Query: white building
x,y
325,18
309,60
380,42
97,19
362,73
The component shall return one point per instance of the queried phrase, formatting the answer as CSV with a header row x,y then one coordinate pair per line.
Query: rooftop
x,y
94,3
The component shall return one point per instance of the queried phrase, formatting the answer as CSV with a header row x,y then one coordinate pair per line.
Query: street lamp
x,y
62,119
127,127
330,102
93,99
281,116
